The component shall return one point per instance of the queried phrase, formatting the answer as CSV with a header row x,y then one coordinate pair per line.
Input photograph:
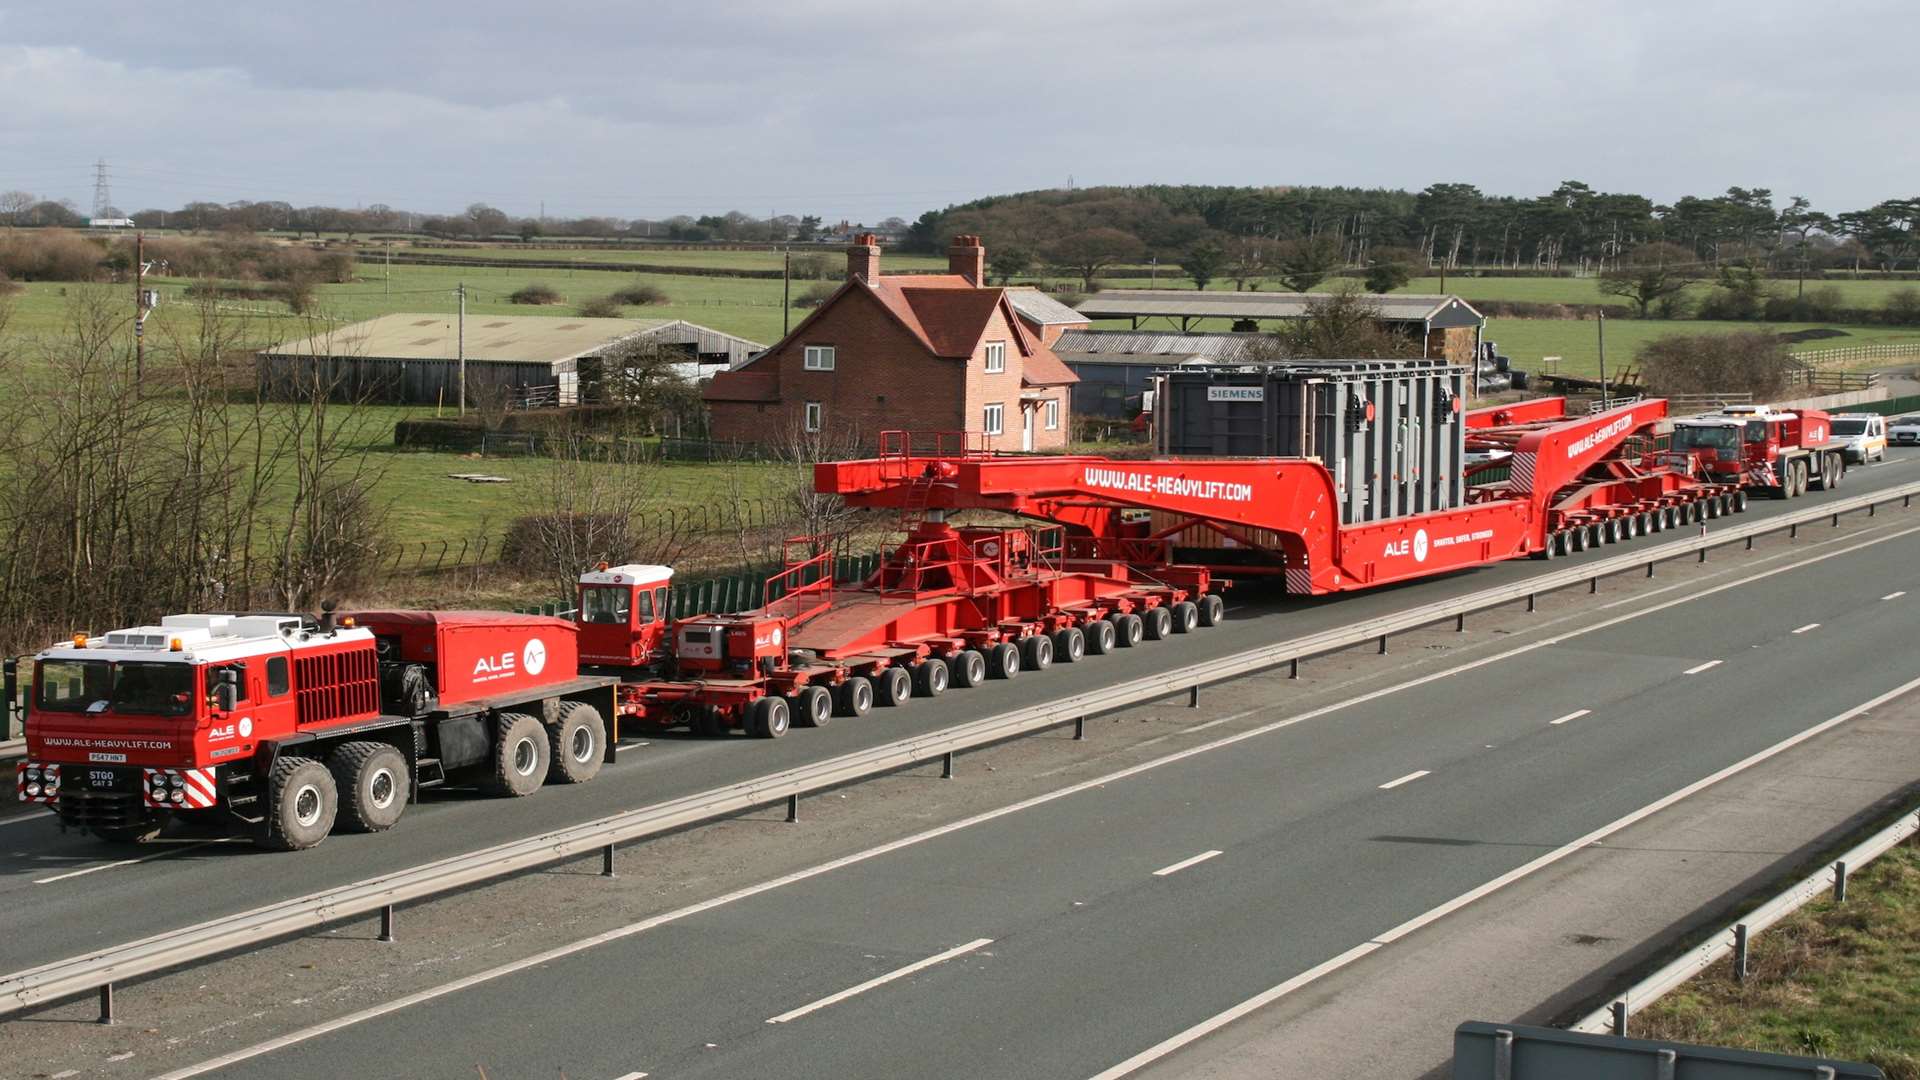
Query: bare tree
x,y
15,205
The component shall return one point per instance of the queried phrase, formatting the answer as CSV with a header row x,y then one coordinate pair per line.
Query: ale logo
x,y
1420,546
533,658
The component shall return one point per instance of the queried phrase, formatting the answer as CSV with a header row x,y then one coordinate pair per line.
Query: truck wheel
x,y
855,696
931,677
1186,616
576,744
1129,629
1069,644
1838,473
703,721
371,778
1213,610
812,706
1159,622
1004,660
967,667
893,686
1739,502
301,804
1100,637
519,755
1036,652
768,718
1713,507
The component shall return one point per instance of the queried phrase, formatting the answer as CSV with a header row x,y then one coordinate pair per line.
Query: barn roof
x,y
1192,303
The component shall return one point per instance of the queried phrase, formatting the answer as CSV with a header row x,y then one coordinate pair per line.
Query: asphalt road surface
x,y
64,894
1059,937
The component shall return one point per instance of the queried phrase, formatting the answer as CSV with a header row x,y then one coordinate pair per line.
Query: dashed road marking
x,y
1698,668
901,973
1184,863
1574,715
1407,779
1804,629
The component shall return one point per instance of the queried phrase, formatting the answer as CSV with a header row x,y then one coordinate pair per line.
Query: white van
x,y
1863,436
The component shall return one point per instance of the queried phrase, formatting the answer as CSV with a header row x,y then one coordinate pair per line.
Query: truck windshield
x,y
1706,437
612,604
160,689
1849,427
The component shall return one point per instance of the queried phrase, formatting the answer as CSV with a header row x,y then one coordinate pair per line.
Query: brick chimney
x,y
863,258
968,259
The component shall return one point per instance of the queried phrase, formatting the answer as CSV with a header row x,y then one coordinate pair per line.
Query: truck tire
x,y
576,744
811,706
1036,652
1213,610
301,804
1739,502
768,718
372,781
1186,616
1003,660
968,668
703,721
931,677
1713,507
1069,644
855,696
892,686
520,755
1159,622
1100,637
1128,630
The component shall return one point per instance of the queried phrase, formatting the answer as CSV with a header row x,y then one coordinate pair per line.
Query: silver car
x,y
1904,430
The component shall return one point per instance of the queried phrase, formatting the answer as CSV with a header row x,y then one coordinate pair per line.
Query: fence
x,y
1848,354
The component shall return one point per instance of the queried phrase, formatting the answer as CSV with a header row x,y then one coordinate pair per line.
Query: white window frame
x,y
814,416
993,419
996,357
1053,414
817,358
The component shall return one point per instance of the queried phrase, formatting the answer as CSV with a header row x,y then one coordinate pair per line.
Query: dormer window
x,y
818,358
996,357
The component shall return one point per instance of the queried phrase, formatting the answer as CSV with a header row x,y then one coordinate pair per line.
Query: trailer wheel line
x,y
98,972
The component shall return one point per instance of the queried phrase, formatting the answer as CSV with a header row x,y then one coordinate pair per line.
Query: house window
x,y
996,357
815,411
1053,414
995,421
818,358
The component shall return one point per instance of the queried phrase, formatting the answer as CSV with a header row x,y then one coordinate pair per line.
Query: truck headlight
x,y
33,789
178,795
176,780
33,772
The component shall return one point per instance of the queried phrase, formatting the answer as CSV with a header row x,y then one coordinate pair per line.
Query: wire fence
x,y
1821,358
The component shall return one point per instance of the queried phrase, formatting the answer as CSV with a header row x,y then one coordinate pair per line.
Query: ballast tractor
x,y
285,728
1784,452
947,607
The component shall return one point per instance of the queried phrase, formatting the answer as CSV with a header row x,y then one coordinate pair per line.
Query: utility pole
x,y
786,292
386,279
1605,399
139,311
461,345
1153,271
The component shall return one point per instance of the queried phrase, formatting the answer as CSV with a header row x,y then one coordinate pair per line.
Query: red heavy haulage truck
x,y
284,727
287,726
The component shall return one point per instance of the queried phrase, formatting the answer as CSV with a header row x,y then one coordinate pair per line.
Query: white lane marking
x,y
1219,1020
881,980
130,862
632,1075
63,1074
1644,594
1407,779
24,818
1698,668
1184,863
1809,626
1895,595
1574,715
1208,724
559,952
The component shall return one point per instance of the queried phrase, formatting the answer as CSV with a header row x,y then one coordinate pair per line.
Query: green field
x,y
1577,341
1838,981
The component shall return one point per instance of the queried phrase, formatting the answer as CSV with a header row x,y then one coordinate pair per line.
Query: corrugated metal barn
x,y
414,359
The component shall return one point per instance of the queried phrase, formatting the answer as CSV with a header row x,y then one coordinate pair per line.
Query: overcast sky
x,y
867,108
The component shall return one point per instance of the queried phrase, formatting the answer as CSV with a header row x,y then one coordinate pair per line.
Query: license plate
x,y
101,778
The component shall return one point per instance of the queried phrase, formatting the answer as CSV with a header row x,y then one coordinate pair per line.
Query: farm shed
x,y
1448,325
1117,366
414,359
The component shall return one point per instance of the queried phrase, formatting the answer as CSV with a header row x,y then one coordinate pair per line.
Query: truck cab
x,y
623,615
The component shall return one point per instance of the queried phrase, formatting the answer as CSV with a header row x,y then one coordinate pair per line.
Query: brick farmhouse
x,y
916,352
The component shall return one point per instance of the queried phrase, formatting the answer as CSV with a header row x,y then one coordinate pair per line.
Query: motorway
x,y
1058,936
62,894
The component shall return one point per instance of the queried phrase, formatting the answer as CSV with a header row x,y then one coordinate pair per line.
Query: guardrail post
x,y
1460,623
1533,601
1193,696
1749,543
1649,568
1593,585
386,923
1383,644
1871,507
1080,724
793,807
1836,521
106,1003
1293,669
946,765
1793,531
1703,554
1840,882
1740,952
1503,1055
606,861
1620,1019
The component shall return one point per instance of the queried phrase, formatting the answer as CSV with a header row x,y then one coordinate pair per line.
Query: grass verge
x,y
1834,980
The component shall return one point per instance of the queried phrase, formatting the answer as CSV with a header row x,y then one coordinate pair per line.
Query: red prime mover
x,y
286,727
